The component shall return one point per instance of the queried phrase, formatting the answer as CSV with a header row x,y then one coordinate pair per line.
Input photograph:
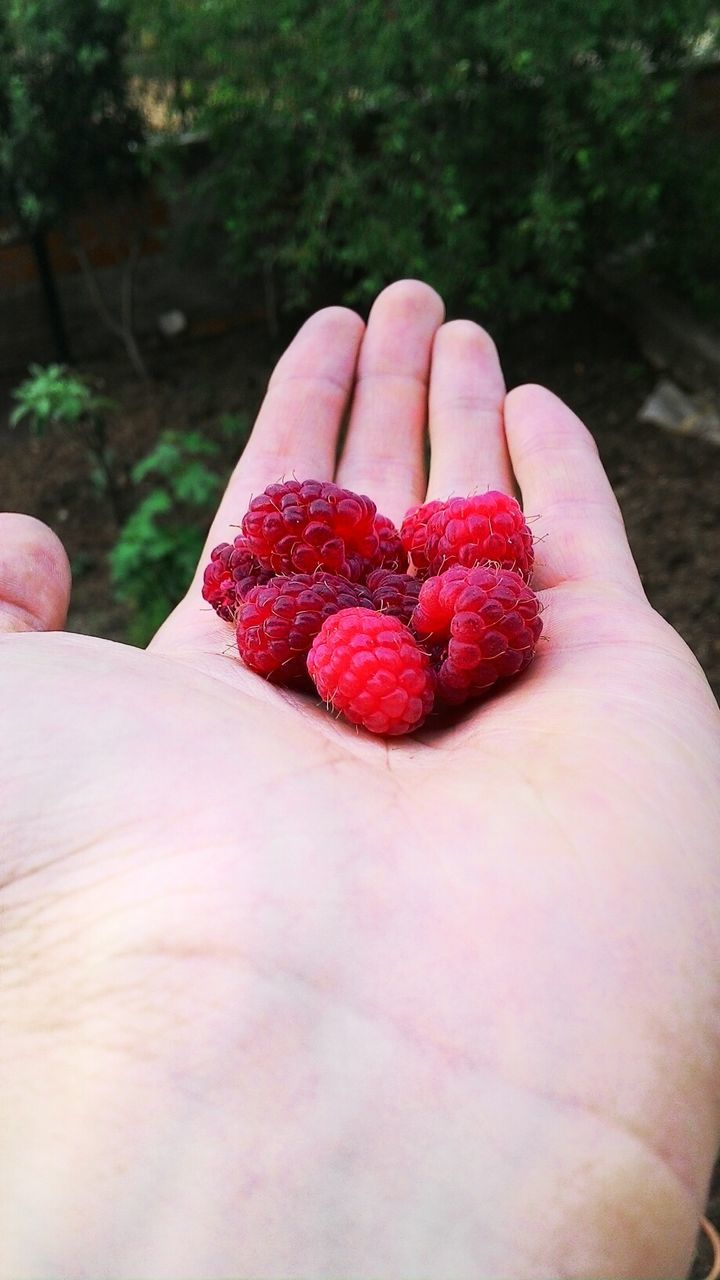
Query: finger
x,y
297,428
34,576
383,455
467,436
295,434
566,494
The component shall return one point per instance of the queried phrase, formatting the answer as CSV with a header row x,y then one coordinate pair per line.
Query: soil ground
x,y
668,486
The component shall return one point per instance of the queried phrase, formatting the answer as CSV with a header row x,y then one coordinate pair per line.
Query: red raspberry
x,y
231,573
394,594
490,621
390,553
488,528
300,526
276,623
413,531
371,668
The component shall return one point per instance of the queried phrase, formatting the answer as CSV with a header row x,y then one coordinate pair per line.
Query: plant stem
x,y
97,442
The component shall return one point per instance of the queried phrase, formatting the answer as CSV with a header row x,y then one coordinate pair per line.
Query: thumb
x,y
34,576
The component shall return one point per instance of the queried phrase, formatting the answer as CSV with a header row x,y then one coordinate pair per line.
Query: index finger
x,y
295,434
297,428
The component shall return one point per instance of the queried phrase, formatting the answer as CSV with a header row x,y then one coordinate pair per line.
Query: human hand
x,y
281,999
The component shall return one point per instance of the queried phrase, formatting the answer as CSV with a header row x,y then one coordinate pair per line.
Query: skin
x,y
283,999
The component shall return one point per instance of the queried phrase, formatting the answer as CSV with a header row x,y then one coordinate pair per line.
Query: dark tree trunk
x,y
52,300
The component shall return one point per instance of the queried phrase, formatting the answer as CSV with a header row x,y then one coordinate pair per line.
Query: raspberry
x,y
301,526
232,571
489,620
371,668
390,553
276,623
488,528
321,586
413,531
394,594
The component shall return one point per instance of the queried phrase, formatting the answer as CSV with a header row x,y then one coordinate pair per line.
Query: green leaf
x,y
195,484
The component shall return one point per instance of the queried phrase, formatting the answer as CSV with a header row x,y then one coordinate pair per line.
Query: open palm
x,y
283,999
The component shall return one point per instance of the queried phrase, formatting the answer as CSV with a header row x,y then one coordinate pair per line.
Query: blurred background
x,y
182,183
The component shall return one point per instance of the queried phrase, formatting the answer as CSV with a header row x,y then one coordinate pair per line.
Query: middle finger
x,y
384,453
467,432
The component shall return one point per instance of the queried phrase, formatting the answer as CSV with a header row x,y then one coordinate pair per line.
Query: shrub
x,y
500,150
68,133
156,554
67,128
57,398
153,561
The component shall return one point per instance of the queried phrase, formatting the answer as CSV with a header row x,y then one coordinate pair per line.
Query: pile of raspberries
x,y
388,625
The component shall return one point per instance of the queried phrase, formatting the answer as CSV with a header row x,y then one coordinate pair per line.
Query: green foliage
x,y
686,253
67,128
157,552
500,150
56,396
235,427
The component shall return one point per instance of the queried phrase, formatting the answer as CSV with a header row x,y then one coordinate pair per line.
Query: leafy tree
x,y
500,149
67,127
68,130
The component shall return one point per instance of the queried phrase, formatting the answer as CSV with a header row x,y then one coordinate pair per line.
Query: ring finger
x,y
467,435
384,453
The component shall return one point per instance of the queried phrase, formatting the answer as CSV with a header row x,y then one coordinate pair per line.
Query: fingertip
x,y
467,391
524,389
336,319
469,335
547,419
412,296
529,396
384,449
35,575
327,339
